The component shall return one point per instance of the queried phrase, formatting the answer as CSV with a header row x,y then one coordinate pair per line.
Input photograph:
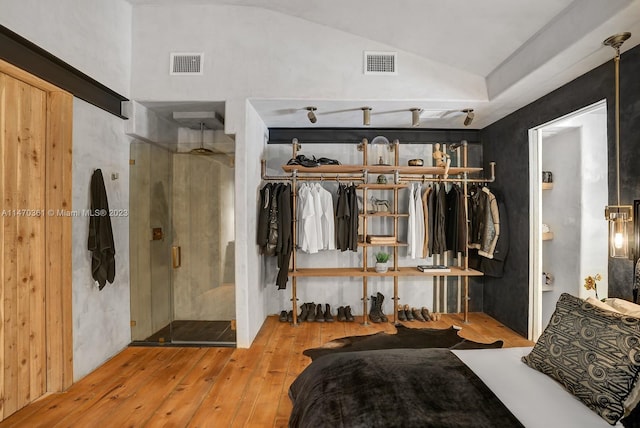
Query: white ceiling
x,y
521,49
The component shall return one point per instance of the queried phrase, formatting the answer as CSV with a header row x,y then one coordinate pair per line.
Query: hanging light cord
x,y
617,107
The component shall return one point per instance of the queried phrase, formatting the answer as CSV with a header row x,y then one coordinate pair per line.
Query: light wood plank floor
x,y
213,387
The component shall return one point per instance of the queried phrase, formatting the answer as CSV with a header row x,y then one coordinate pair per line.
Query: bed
x,y
582,372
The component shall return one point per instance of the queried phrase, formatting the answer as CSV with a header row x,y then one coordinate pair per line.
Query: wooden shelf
x,y
547,287
358,272
383,214
547,186
376,186
395,244
547,236
377,169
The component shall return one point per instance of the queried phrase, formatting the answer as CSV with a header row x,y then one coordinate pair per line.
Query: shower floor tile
x,y
195,331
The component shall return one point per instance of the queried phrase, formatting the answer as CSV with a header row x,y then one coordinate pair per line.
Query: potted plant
x,y
381,262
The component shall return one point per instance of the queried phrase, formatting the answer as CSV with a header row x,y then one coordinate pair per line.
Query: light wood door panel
x,y
36,337
22,147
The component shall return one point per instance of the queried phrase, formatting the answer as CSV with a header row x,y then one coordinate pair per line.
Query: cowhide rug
x,y
405,338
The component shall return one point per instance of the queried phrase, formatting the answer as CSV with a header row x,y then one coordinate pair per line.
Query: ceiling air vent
x,y
380,62
185,63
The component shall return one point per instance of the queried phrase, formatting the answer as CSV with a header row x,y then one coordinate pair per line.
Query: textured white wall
x,y
100,317
95,37
251,295
253,52
561,210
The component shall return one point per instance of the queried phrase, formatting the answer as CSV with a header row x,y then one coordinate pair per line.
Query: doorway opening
x,y
568,192
182,238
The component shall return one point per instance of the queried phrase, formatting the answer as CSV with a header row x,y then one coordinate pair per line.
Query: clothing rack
x,y
360,173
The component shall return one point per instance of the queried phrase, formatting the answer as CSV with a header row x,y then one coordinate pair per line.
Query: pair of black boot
x,y
344,314
312,313
376,314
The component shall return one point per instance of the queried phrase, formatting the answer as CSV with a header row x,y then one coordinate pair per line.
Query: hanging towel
x,y
103,263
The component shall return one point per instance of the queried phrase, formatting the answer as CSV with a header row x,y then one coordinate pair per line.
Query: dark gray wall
x,y
507,143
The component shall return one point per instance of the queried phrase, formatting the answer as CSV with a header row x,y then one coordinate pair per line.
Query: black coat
x,y
100,243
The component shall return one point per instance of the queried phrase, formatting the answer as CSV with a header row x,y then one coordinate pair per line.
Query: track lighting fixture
x,y
366,116
311,115
415,117
470,116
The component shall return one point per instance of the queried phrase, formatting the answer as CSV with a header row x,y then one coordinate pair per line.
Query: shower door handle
x,y
176,256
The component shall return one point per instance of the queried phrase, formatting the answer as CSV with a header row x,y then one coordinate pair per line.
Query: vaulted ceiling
x,y
521,49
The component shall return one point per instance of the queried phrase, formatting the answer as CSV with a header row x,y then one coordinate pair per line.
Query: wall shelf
x,y
378,169
370,272
547,236
547,186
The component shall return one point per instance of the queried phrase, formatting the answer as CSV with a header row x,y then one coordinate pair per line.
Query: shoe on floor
x,y
327,313
303,313
319,314
402,315
425,314
283,316
417,314
408,313
341,314
311,309
347,314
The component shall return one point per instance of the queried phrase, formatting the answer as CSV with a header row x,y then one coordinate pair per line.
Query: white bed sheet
x,y
534,398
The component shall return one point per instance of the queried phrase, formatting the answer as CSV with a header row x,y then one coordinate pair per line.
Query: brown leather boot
x,y
374,315
327,313
348,315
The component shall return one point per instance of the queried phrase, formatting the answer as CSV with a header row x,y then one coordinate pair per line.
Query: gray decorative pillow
x,y
593,353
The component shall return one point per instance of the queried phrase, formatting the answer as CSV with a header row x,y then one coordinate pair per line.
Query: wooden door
x,y
35,250
23,242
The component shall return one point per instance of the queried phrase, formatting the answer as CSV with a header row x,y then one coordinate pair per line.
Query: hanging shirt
x,y
411,250
317,218
342,219
285,238
354,216
439,235
418,224
327,218
426,252
307,221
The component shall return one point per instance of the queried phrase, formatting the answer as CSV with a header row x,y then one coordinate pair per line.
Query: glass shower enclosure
x,y
182,247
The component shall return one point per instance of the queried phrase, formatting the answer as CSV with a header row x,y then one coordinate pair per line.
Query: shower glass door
x,y
150,239
203,229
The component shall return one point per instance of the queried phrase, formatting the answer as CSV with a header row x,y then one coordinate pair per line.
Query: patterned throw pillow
x,y
593,353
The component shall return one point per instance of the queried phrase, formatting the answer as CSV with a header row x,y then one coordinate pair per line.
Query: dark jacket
x,y
100,243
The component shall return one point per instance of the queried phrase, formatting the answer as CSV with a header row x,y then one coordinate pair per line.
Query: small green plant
x,y
382,257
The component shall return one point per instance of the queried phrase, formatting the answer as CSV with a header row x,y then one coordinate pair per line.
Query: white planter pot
x,y
381,267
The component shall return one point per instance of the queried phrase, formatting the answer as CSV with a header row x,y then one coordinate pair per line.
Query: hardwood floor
x,y
213,387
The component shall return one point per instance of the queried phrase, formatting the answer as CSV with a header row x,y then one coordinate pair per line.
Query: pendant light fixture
x,y
619,216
